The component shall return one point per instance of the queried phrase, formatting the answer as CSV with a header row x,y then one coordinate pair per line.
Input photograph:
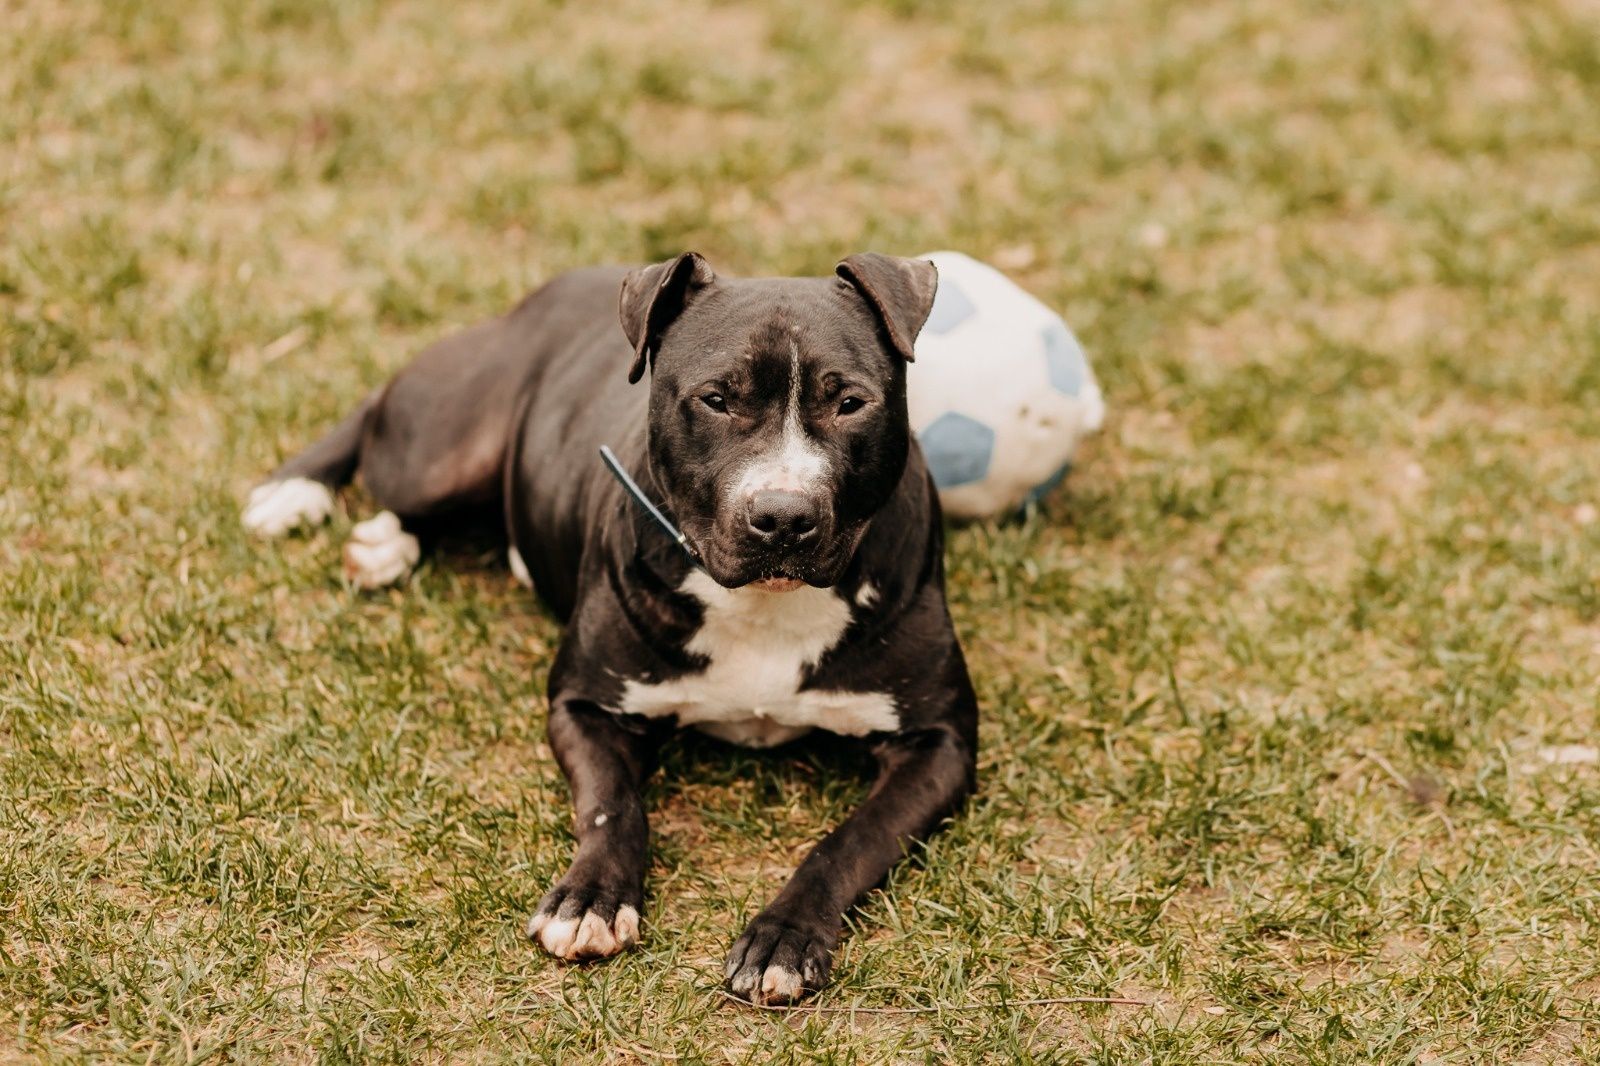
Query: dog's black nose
x,y
782,519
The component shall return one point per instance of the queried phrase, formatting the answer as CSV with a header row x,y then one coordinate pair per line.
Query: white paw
x,y
379,552
779,984
778,961
587,937
279,506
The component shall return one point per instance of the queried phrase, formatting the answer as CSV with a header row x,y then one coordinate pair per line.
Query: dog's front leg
x,y
593,911
787,950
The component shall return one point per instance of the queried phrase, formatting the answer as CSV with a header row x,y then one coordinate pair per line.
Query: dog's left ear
x,y
899,291
655,295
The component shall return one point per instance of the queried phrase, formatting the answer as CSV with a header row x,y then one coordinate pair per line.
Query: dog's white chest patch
x,y
758,646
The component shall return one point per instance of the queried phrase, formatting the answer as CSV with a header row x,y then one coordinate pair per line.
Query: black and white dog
x,y
811,595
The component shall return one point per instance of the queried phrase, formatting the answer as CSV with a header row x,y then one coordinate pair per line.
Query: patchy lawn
x,y
1290,697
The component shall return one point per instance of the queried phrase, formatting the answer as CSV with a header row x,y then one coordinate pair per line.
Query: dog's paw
x,y
778,961
379,552
583,922
276,507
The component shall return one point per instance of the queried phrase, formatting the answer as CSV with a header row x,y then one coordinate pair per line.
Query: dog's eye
x,y
716,401
851,404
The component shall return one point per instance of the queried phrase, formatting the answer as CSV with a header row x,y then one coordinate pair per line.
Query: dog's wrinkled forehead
x,y
876,304
765,334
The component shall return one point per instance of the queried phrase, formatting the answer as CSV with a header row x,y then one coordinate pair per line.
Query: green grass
x,y
1265,689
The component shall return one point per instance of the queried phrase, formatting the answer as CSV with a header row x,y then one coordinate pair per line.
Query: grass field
x,y
1290,697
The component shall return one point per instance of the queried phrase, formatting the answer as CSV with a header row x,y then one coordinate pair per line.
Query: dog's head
x,y
778,422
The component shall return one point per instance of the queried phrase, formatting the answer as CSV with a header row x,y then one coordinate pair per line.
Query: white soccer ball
x,y
1000,393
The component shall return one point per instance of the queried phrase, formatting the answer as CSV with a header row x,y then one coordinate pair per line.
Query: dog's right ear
x,y
652,297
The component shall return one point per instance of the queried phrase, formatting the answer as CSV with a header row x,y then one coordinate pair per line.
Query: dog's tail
x,y
300,492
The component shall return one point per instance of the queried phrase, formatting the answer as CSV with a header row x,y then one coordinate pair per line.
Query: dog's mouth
x,y
732,567
777,583
732,570
769,575
778,575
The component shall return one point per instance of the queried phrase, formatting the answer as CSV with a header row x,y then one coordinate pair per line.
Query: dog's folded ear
x,y
899,291
655,295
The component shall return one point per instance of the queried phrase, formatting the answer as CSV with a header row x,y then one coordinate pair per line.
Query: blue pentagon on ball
x,y
951,307
1063,358
958,449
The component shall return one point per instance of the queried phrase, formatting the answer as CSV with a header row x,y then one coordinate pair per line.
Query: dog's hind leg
x,y
429,447
300,492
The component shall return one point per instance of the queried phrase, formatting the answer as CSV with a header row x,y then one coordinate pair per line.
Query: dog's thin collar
x,y
615,466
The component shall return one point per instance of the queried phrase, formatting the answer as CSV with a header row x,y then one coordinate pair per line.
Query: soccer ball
x,y
1000,393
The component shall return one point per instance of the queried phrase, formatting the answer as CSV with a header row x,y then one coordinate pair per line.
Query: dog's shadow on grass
x,y
741,788
471,540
